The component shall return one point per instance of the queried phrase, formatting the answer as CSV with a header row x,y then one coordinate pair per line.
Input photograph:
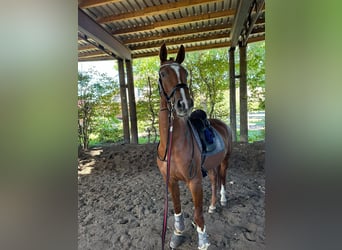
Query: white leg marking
x,y
223,196
212,209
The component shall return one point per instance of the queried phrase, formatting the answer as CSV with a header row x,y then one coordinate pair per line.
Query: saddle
x,y
198,119
207,138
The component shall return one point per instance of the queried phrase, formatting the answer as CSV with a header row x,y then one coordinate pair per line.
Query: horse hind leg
x,y
223,169
222,178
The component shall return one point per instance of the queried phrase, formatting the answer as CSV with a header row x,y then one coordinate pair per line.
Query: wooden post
x,y
243,93
131,99
232,92
123,96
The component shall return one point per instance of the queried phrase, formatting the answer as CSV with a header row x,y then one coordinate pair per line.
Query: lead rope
x,y
166,202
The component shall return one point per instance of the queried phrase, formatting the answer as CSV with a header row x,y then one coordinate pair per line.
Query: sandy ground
x,y
121,199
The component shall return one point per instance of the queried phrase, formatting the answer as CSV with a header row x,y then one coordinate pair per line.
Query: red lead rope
x,y
166,202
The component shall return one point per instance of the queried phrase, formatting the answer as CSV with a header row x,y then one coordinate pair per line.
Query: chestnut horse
x,y
179,150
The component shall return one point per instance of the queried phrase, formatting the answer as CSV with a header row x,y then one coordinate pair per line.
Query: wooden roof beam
x,y
94,3
92,59
86,47
155,10
258,6
157,43
240,20
178,33
178,21
181,41
182,33
93,54
95,31
197,48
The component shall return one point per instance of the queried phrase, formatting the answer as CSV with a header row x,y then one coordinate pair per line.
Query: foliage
x,y
145,79
96,108
209,80
256,76
107,129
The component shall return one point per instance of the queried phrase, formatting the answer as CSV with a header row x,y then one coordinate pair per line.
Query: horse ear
x,y
180,54
163,53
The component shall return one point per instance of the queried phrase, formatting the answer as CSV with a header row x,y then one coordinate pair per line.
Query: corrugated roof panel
x,y
144,33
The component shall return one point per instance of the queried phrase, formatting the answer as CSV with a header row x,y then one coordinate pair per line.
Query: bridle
x,y
170,104
179,86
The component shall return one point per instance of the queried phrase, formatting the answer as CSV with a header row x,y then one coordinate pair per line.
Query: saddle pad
x,y
217,140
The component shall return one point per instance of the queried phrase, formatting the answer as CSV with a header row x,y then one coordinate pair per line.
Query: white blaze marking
x,y
184,100
176,69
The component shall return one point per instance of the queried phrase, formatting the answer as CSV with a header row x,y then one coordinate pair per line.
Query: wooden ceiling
x,y
128,29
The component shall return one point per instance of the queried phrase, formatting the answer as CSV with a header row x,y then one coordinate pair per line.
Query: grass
x,y
256,135
144,140
253,135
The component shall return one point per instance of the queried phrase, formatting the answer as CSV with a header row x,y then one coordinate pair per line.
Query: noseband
x,y
178,86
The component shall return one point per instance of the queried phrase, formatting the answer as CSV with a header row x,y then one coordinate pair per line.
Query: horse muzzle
x,y
184,107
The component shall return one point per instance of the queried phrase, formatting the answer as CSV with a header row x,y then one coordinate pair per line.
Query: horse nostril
x,y
180,104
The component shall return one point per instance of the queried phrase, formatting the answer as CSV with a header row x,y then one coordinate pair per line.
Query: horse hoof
x,y
211,209
204,247
176,241
223,203
203,241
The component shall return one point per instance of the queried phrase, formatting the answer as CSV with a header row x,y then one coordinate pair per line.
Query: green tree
x,y
256,76
146,80
209,80
97,107
85,109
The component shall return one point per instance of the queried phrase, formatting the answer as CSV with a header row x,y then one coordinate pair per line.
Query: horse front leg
x,y
197,197
176,238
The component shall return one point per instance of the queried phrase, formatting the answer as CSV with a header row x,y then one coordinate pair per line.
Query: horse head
x,y
173,82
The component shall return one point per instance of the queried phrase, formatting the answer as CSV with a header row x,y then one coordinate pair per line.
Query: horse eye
x,y
162,74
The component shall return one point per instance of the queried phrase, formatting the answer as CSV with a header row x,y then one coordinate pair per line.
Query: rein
x,y
168,163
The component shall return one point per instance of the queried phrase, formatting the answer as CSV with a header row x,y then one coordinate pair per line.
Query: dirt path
x,y
121,198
